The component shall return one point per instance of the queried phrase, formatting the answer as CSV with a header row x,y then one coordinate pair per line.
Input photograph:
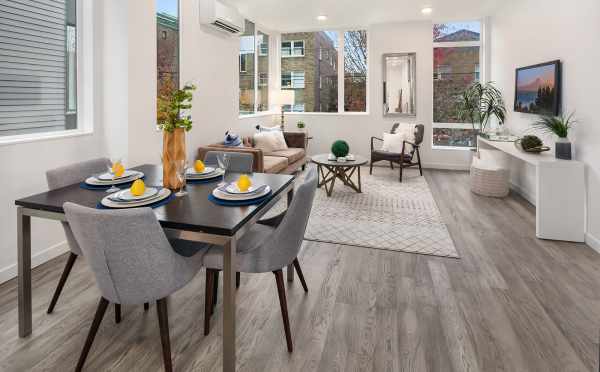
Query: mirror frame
x,y
413,76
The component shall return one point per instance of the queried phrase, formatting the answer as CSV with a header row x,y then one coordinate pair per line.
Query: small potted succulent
x,y
301,126
559,126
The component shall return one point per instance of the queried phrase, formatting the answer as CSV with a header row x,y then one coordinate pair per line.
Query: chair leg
x,y
163,324
237,279
208,298
401,169
300,275
392,164
284,311
215,291
62,281
146,306
371,167
117,313
102,305
419,160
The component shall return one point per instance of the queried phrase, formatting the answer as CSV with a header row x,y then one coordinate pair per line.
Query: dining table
x,y
193,217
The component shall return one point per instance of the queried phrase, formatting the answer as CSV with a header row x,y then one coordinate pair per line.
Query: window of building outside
x,y
292,48
355,71
254,70
456,64
167,48
39,86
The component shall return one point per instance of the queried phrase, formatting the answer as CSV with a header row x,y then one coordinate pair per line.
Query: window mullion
x,y
340,72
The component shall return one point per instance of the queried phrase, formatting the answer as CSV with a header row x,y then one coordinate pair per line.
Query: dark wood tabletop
x,y
193,212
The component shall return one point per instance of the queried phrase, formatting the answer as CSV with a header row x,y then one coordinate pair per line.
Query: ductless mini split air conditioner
x,y
221,16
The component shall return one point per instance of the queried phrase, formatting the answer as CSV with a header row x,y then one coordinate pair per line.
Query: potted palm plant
x,y
174,120
559,126
479,103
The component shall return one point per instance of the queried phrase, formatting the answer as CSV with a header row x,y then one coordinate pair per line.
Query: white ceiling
x,y
300,15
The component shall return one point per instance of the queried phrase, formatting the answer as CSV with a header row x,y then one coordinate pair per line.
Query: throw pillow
x,y
262,128
393,142
232,140
408,130
270,141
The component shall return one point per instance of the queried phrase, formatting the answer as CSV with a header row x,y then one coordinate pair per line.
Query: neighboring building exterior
x,y
167,42
309,67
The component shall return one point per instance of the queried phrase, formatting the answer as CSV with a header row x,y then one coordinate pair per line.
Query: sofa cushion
x,y
270,141
292,154
274,164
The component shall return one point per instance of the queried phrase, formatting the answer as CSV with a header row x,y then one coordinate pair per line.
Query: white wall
x,y
23,165
534,31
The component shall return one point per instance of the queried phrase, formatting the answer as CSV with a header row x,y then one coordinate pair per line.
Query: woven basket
x,y
490,182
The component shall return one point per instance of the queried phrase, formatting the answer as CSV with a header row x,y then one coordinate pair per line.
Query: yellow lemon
x,y
199,166
118,169
138,188
244,183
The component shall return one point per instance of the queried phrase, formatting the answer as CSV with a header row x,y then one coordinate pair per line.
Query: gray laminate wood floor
x,y
512,303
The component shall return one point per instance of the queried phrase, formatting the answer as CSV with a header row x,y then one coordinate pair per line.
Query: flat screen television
x,y
538,89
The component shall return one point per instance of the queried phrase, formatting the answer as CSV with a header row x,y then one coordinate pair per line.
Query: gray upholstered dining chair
x,y
133,263
270,245
238,162
59,178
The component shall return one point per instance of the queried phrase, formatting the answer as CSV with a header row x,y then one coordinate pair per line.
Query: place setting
x,y
201,173
138,195
240,193
115,176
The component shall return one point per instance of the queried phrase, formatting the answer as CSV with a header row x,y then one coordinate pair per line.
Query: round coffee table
x,y
338,170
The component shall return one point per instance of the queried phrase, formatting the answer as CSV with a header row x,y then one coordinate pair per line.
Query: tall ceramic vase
x,y
173,150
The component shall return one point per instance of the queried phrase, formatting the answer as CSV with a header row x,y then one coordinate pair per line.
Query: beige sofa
x,y
282,161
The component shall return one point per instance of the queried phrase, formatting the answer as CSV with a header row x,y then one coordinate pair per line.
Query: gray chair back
x,y
238,162
129,254
285,243
68,175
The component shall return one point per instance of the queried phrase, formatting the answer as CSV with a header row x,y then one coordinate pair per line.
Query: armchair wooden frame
x,y
409,157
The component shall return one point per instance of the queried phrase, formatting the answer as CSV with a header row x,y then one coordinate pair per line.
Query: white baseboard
x,y
592,241
446,166
9,272
523,192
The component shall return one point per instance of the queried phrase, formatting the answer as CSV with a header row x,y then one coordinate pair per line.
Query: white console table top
x,y
534,159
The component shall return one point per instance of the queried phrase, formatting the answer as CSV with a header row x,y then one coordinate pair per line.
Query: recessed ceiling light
x,y
322,17
427,10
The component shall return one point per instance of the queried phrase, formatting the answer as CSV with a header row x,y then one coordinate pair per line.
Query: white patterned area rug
x,y
387,215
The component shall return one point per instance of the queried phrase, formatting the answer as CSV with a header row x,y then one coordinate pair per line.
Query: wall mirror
x,y
399,84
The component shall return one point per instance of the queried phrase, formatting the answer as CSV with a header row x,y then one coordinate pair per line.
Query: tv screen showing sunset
x,y
536,91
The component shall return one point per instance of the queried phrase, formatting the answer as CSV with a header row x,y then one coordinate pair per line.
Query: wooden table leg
x,y
229,266
24,271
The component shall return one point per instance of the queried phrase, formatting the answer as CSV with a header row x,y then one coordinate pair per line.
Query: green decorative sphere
x,y
340,148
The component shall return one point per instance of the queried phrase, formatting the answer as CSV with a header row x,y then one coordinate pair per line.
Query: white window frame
x,y
482,44
293,47
340,73
85,83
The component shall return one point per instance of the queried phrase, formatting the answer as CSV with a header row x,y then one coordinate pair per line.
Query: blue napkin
x,y
238,203
159,203
205,180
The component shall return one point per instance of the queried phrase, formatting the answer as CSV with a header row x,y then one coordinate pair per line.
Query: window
x,y
355,71
167,47
457,51
38,69
315,78
292,48
292,80
247,70
254,71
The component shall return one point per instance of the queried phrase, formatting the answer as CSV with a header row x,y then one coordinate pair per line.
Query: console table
x,y
559,192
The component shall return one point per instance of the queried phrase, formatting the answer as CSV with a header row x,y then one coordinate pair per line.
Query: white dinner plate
x,y
232,188
195,176
96,182
162,194
193,172
226,196
108,177
126,195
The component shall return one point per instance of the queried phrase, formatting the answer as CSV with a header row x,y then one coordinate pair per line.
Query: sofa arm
x,y
257,154
295,139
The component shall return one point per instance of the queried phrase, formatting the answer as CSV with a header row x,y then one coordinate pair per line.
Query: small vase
x,y
563,149
173,150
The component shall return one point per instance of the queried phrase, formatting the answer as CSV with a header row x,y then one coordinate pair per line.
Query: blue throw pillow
x,y
232,140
